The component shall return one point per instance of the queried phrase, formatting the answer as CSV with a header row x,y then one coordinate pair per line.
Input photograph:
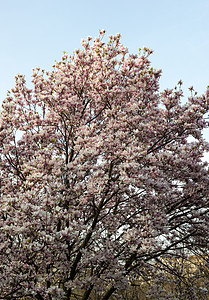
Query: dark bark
x,y
87,293
109,292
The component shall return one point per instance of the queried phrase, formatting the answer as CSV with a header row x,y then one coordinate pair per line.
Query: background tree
x,y
99,175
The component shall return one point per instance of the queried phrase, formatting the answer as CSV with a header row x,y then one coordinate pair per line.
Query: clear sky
x,y
35,33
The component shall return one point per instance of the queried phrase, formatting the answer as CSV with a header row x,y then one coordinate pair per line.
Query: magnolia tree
x,y
101,175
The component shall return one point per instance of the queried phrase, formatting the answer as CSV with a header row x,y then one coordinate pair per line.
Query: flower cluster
x,y
99,175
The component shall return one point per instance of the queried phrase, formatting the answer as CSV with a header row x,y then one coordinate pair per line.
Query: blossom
x,y
100,179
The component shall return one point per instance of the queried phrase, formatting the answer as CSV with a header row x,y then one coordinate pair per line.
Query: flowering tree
x,y
101,175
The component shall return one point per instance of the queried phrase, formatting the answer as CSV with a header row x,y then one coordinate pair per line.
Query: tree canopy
x,y
102,175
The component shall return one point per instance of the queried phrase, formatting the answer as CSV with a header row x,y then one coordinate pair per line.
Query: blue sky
x,y
35,33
